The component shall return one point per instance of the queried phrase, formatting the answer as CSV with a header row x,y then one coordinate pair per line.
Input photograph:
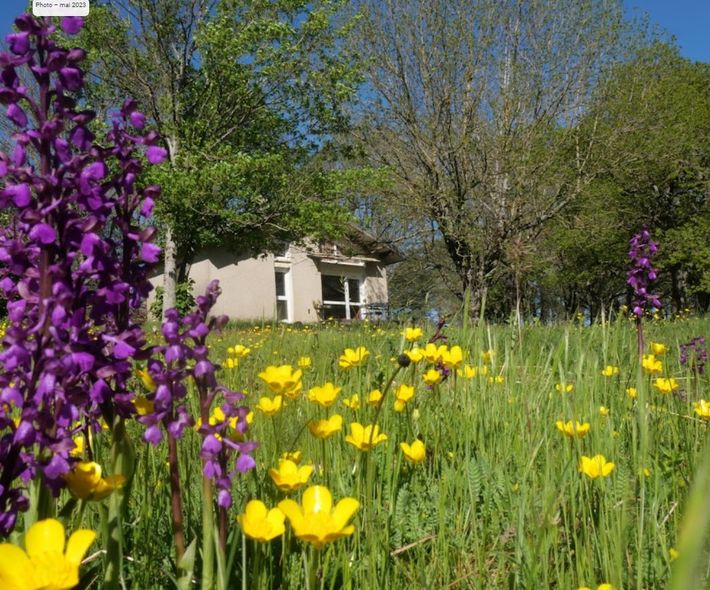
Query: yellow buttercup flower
x,y
289,476
415,354
433,353
304,362
146,379
294,456
603,411
468,372
261,524
270,407
497,379
79,444
610,371
432,377
217,417
412,334
143,405
326,428
239,351
325,395
673,553
283,380
573,429
402,395
414,453
452,357
651,365
85,482
374,398
631,392
665,385
564,387
352,402
353,357
46,564
487,356
658,348
316,521
365,437
230,363
702,409
594,467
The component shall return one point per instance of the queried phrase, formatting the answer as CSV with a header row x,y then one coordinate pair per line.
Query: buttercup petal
x,y
15,568
317,499
45,536
293,512
255,509
344,511
78,544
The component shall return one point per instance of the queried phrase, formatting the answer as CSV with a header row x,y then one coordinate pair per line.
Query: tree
x,y
474,106
652,118
246,95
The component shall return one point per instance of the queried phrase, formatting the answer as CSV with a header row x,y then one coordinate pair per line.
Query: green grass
x,y
499,502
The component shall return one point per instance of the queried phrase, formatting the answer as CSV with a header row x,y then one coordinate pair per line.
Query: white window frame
x,y
287,297
360,303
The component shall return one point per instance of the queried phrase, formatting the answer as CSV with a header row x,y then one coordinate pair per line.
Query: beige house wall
x,y
249,284
376,283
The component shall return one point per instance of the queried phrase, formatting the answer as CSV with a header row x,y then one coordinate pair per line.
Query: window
x,y
283,312
341,297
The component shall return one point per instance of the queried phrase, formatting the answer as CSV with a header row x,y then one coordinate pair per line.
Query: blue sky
x,y
687,20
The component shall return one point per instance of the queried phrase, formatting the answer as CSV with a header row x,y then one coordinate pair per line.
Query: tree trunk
x,y
675,289
169,271
170,253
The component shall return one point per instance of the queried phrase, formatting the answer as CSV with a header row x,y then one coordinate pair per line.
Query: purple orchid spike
x,y
183,355
73,263
639,277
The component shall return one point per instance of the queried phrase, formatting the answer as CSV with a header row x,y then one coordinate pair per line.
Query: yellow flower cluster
x,y
573,429
315,520
236,353
610,371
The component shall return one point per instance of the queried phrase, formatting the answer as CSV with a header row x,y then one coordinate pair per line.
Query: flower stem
x,y
123,461
176,499
207,535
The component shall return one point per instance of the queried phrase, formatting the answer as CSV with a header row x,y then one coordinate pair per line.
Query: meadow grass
x,y
499,501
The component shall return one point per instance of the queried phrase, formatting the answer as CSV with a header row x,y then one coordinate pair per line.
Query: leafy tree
x,y
247,95
653,154
475,108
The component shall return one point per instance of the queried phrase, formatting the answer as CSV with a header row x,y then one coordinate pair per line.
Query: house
x,y
307,282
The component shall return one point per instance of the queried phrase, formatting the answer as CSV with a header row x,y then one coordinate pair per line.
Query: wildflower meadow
x,y
192,452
